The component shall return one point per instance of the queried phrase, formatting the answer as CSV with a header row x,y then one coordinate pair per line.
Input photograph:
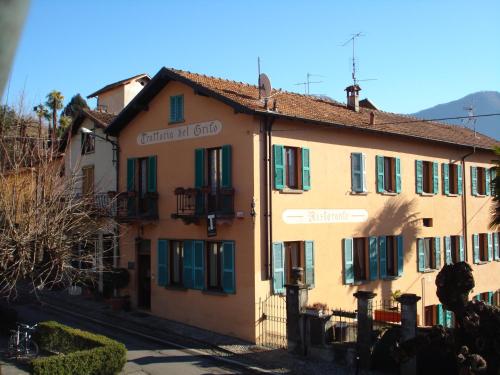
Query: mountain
x,y
483,102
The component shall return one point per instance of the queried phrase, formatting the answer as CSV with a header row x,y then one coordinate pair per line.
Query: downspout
x,y
464,204
268,125
117,168
266,199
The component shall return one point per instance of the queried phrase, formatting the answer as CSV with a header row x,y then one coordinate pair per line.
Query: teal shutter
x,y
398,174
490,247
279,166
459,179
496,247
278,268
173,109
373,255
180,107
382,246
348,261
357,172
473,173
421,255
435,177
309,260
447,249
199,179
446,179
228,274
306,170
199,265
490,298
493,175
151,176
187,264
461,248
475,244
440,315
380,174
449,318
131,174
363,168
176,108
437,252
399,244
162,276
419,175
487,182
226,167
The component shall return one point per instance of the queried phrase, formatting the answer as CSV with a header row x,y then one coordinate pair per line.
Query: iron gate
x,y
272,322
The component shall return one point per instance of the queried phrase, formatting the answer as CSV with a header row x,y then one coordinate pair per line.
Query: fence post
x,y
365,327
296,300
408,328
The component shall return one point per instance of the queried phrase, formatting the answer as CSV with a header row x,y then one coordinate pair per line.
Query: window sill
x,y
176,122
391,278
214,292
424,194
452,195
389,193
360,282
179,288
428,271
480,195
481,262
291,191
358,192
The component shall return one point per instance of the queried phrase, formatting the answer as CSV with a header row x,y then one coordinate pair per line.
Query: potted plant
x,y
317,309
113,281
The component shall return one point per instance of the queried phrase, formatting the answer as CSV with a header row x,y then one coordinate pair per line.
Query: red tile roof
x,y
119,83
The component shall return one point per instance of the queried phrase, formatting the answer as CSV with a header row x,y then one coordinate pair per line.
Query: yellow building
x,y
226,192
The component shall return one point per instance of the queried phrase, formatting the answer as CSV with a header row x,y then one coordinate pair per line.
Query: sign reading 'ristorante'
x,y
202,129
324,216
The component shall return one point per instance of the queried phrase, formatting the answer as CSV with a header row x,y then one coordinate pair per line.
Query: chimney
x,y
353,97
372,118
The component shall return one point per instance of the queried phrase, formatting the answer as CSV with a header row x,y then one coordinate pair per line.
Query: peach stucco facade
x,y
237,313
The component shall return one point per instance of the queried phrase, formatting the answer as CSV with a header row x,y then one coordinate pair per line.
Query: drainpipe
x,y
268,124
464,204
116,148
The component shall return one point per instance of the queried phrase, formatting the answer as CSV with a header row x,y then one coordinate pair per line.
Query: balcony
x,y
194,204
98,204
132,207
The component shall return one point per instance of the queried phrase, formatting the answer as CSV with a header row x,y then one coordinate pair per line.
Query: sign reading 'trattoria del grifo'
x,y
198,130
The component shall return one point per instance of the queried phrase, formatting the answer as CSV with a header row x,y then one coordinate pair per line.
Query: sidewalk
x,y
196,339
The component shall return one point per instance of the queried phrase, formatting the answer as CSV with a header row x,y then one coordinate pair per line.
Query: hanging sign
x,y
179,133
324,216
211,226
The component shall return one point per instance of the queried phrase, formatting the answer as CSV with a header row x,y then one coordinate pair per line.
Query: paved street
x,y
143,357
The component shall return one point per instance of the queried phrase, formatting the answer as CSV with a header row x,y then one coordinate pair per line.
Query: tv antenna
x,y
308,82
352,40
470,121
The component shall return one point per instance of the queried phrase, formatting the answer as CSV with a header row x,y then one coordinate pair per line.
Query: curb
x,y
166,342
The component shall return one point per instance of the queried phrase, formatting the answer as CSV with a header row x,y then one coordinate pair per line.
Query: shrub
x,y
80,352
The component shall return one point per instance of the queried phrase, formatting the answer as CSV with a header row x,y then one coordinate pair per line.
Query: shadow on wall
x,y
397,217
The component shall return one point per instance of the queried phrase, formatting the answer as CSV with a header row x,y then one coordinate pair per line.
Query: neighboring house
x,y
361,199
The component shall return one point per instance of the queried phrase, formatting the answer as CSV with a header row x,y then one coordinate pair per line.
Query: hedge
x,y
80,352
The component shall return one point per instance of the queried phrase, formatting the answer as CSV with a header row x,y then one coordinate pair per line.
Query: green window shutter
x,y
226,167
357,172
199,179
419,175
490,247
493,175
437,252
473,173
278,268
173,109
446,179
151,174
279,166
399,244
348,261
435,177
373,255
421,255
131,174
180,107
382,248
309,260
176,108
363,166
440,315
459,179
228,274
449,318
199,265
188,263
380,174
461,248
487,181
490,298
447,249
496,249
475,244
162,276
306,170
398,174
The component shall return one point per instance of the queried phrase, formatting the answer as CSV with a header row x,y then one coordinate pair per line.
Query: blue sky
x,y
421,52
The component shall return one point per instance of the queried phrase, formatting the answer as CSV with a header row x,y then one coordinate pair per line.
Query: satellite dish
x,y
264,86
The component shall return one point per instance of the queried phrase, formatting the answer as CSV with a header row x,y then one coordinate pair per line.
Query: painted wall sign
x,y
201,129
211,226
324,216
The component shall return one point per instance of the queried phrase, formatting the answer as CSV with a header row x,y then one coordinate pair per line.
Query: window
x,y
360,259
358,173
452,179
426,174
436,314
175,262
454,249
496,246
291,168
493,175
88,143
429,253
141,179
88,180
391,256
427,222
286,256
176,109
214,250
388,175
480,181
482,247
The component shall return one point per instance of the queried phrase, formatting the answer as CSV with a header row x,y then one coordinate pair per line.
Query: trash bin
x,y
340,331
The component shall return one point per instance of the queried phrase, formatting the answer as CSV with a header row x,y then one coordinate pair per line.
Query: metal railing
x,y
132,206
197,202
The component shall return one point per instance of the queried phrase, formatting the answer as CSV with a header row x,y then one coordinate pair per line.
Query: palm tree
x,y
54,102
42,113
495,222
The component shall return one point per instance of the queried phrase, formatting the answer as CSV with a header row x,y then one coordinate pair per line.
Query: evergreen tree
x,y
75,105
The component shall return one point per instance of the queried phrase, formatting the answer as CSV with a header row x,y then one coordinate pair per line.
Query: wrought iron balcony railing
x,y
132,206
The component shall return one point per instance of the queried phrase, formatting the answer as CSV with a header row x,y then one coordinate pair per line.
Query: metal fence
x,y
272,322
386,313
344,325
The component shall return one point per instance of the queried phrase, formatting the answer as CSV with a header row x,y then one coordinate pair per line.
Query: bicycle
x,y
21,343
